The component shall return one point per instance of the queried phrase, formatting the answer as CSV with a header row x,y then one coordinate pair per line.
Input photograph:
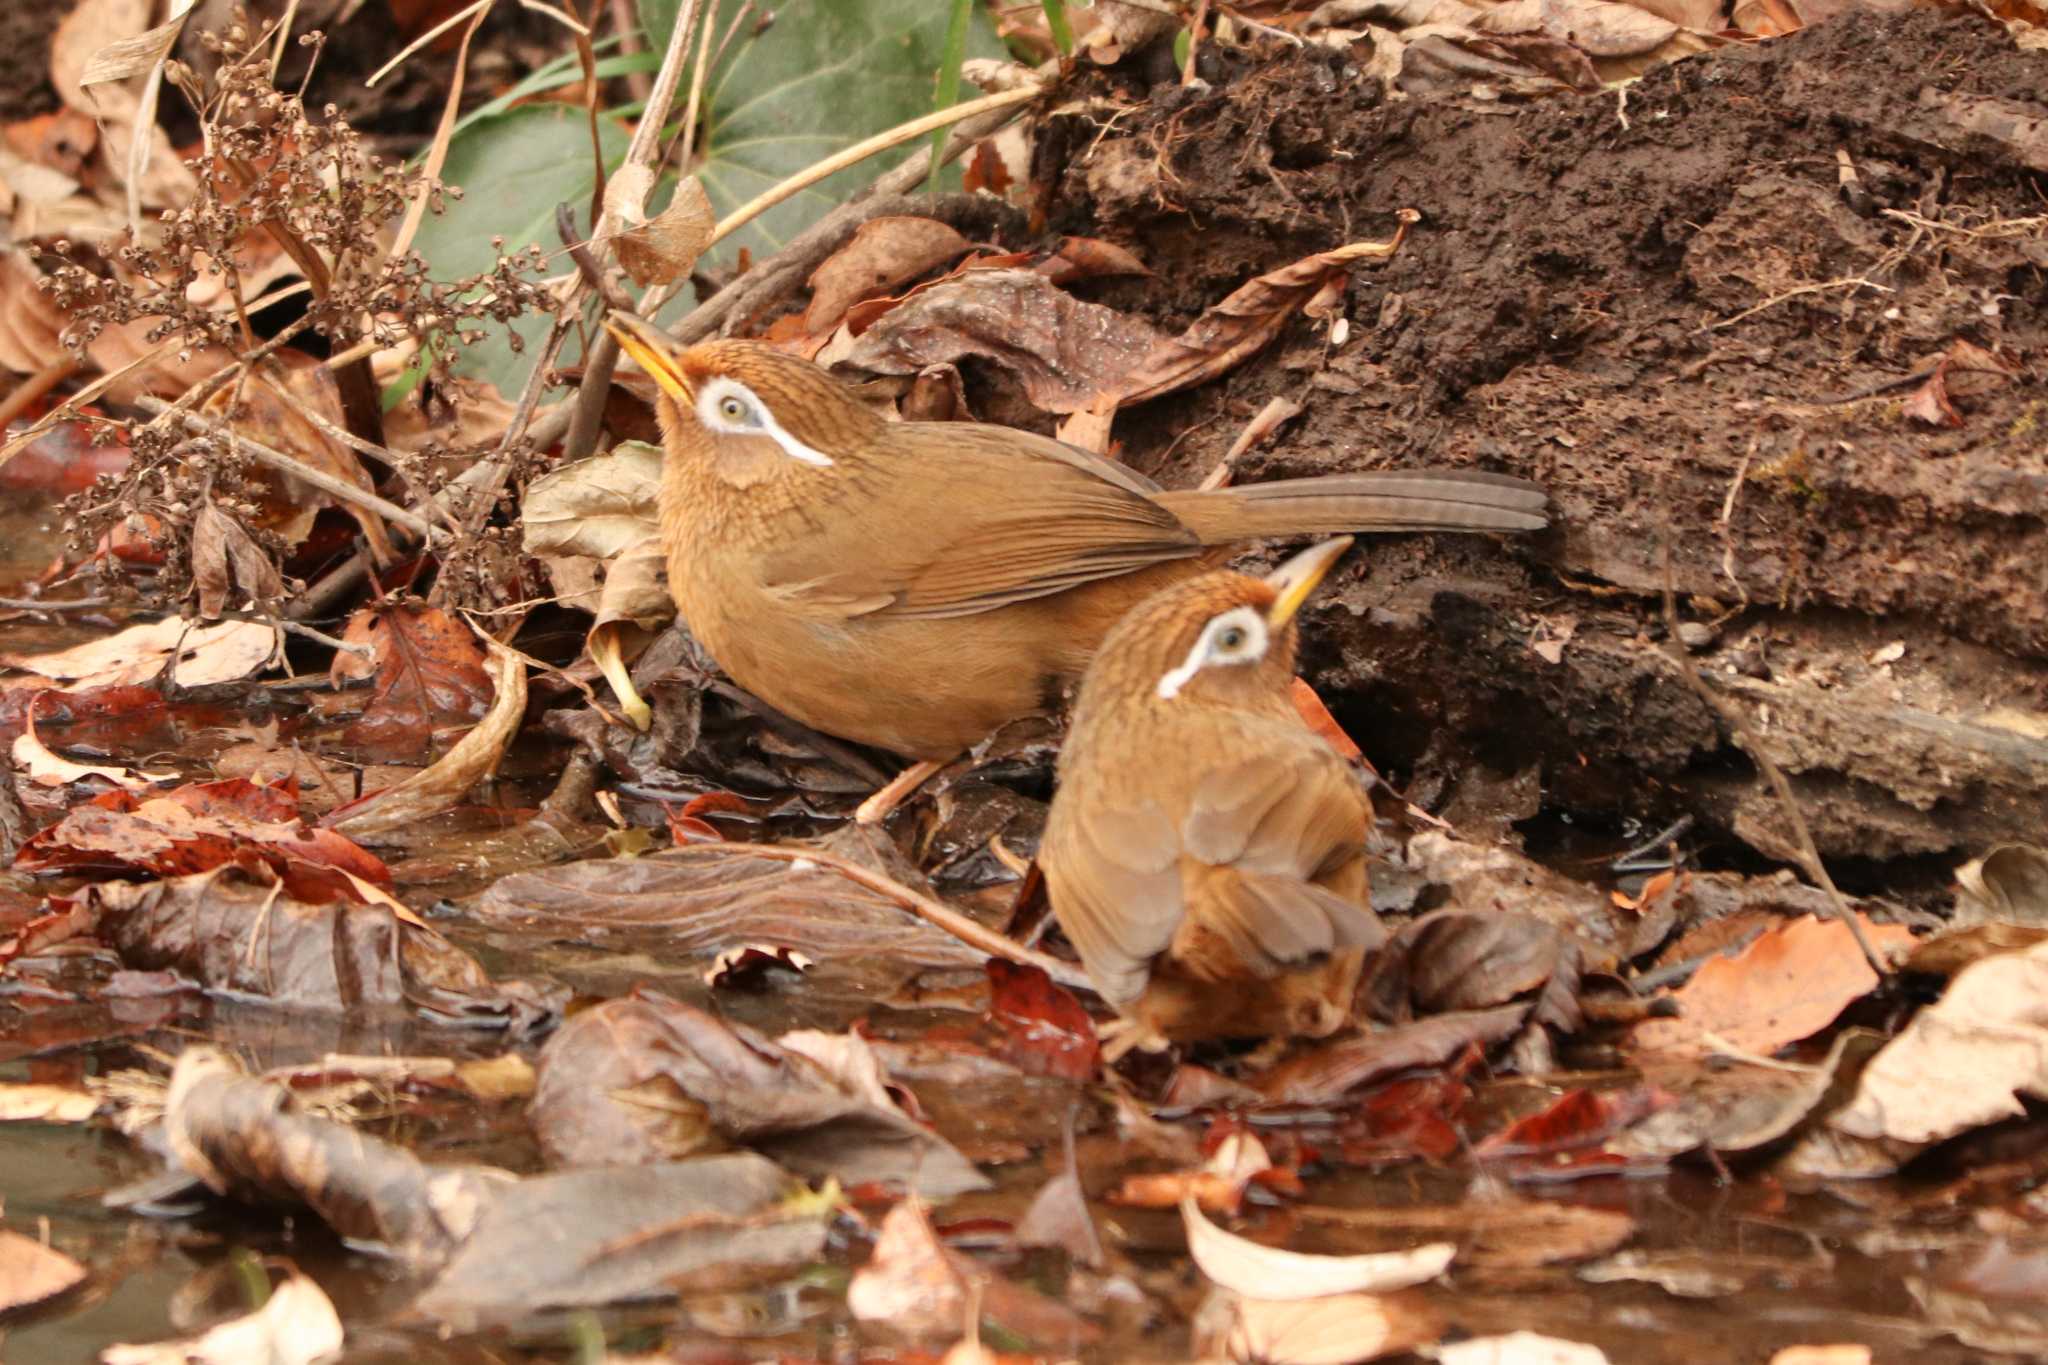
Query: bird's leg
x,y
883,803
1120,1036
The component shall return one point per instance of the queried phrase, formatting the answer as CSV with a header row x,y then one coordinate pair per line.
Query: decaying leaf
x,y
429,674
449,778
1262,1272
817,1103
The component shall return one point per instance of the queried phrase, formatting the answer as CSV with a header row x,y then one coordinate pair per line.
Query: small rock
x,y
1891,653
1696,635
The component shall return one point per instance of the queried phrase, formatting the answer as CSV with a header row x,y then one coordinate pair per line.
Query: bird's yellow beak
x,y
1297,578
652,349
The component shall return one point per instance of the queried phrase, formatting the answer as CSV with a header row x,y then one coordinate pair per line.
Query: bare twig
x,y
327,483
1731,715
45,604
973,934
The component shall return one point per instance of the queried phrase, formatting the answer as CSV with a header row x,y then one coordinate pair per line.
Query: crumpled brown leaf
x,y
883,254
817,1103
664,248
226,557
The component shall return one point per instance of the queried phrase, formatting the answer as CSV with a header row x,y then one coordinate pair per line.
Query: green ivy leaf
x,y
513,170
824,75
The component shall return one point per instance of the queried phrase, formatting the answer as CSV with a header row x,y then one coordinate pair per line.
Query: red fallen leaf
x,y
1578,1120
1405,1119
429,675
986,171
65,460
54,709
1047,1032
202,826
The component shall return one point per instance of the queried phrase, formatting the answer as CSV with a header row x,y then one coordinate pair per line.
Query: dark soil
x,y
1569,311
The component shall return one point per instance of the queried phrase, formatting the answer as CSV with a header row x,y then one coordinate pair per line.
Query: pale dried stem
x,y
973,934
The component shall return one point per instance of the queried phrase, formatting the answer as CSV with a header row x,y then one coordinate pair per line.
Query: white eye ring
x,y
729,408
1237,636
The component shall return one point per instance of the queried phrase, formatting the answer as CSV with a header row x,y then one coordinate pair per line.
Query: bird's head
x,y
1223,637
754,413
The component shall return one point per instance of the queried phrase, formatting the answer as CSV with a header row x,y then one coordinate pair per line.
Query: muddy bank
x,y
1709,302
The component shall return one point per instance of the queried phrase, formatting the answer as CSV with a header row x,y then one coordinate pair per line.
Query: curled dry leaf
x,y
1262,1272
296,1325
883,254
2008,885
226,557
448,779
1221,339
195,655
664,248
598,507
1964,1061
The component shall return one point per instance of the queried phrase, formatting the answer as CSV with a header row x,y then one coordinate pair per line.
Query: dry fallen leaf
x,y
665,248
197,655
1964,1061
1262,1272
1788,984
296,1325
1329,1331
1519,1348
883,254
31,1272
32,1102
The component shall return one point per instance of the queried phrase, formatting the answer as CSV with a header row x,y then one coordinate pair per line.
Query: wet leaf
x,y
1788,984
200,826
237,936
1734,1109
296,1325
818,1103
1327,1071
31,1272
49,769
1262,1272
708,898
883,254
1217,1187
429,675
196,655
1058,1216
1492,1232
1047,1031
450,777
919,1286
1329,1331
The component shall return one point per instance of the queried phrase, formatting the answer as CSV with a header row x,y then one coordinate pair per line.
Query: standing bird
x,y
915,585
1205,852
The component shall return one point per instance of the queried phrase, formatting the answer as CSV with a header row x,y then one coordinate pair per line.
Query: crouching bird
x,y
915,585
1205,849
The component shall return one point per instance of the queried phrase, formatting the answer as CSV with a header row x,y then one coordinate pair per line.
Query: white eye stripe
x,y
729,408
1238,636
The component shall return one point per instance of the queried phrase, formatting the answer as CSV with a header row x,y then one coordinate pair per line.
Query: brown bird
x,y
1205,850
914,585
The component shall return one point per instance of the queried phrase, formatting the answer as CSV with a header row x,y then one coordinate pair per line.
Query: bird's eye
x,y
732,409
1231,638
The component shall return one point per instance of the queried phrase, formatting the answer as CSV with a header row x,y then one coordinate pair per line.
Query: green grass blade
x,y
949,82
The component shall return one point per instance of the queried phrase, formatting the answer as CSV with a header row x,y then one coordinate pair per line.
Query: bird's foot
x,y
1119,1037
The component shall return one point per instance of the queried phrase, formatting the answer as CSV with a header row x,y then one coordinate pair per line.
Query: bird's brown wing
x,y
1126,876
1113,870
978,518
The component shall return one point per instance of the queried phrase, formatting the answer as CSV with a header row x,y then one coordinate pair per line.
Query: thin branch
x,y
327,483
968,931
1809,852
